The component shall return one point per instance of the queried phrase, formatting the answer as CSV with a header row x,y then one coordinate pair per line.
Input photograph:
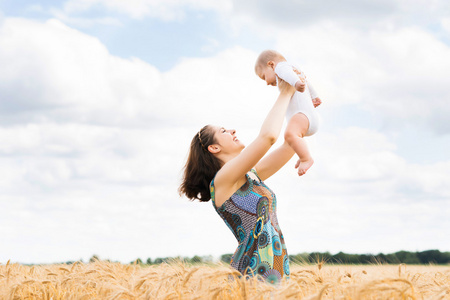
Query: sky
x,y
99,100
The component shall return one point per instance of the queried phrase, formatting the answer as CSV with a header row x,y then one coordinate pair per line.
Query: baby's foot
x,y
303,166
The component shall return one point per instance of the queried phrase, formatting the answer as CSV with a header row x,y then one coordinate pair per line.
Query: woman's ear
x,y
214,148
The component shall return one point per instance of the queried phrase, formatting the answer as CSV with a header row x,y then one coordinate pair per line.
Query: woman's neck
x,y
224,158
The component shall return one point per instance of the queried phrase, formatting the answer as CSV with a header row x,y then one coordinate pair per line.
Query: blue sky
x,y
99,100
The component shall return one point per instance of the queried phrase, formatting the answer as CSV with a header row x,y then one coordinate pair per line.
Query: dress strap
x,y
253,170
212,191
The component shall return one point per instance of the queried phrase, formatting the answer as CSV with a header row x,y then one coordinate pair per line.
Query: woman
x,y
221,168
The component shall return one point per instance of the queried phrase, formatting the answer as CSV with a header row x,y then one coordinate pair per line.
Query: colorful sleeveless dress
x,y
251,215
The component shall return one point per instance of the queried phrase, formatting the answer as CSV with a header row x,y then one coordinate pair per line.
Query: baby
x,y
302,118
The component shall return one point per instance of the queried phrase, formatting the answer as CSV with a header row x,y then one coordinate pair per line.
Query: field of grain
x,y
106,280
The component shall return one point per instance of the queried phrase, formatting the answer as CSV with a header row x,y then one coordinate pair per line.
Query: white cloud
x,y
360,196
69,73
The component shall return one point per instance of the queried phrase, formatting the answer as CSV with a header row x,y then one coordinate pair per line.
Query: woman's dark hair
x,y
201,166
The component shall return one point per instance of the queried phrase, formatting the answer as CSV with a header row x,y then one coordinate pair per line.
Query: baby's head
x,y
265,66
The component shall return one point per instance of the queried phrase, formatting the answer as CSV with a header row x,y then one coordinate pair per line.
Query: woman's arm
x,y
274,161
232,173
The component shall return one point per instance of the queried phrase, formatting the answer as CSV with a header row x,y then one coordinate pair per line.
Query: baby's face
x,y
268,75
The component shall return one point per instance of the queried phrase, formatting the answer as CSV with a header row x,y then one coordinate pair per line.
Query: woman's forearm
x,y
271,126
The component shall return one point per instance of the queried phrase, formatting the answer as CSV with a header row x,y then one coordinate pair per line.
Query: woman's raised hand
x,y
285,88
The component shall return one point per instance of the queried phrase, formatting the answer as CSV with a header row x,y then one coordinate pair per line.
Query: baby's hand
x,y
316,101
301,84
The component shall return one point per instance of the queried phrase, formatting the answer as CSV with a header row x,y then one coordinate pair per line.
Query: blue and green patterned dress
x,y
251,215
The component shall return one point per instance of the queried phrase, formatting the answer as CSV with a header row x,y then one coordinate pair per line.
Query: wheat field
x,y
177,280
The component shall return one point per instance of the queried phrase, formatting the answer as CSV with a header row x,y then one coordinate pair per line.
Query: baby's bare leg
x,y
295,131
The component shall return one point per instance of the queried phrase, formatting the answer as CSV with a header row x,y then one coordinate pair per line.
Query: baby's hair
x,y
268,55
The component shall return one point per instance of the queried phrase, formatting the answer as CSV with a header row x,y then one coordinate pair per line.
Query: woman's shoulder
x,y
218,182
220,194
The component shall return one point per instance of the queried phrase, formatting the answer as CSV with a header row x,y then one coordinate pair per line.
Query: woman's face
x,y
227,140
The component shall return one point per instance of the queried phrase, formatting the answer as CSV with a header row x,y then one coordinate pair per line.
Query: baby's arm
x,y
315,98
286,72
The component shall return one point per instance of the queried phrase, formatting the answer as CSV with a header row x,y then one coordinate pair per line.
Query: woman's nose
x,y
232,131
